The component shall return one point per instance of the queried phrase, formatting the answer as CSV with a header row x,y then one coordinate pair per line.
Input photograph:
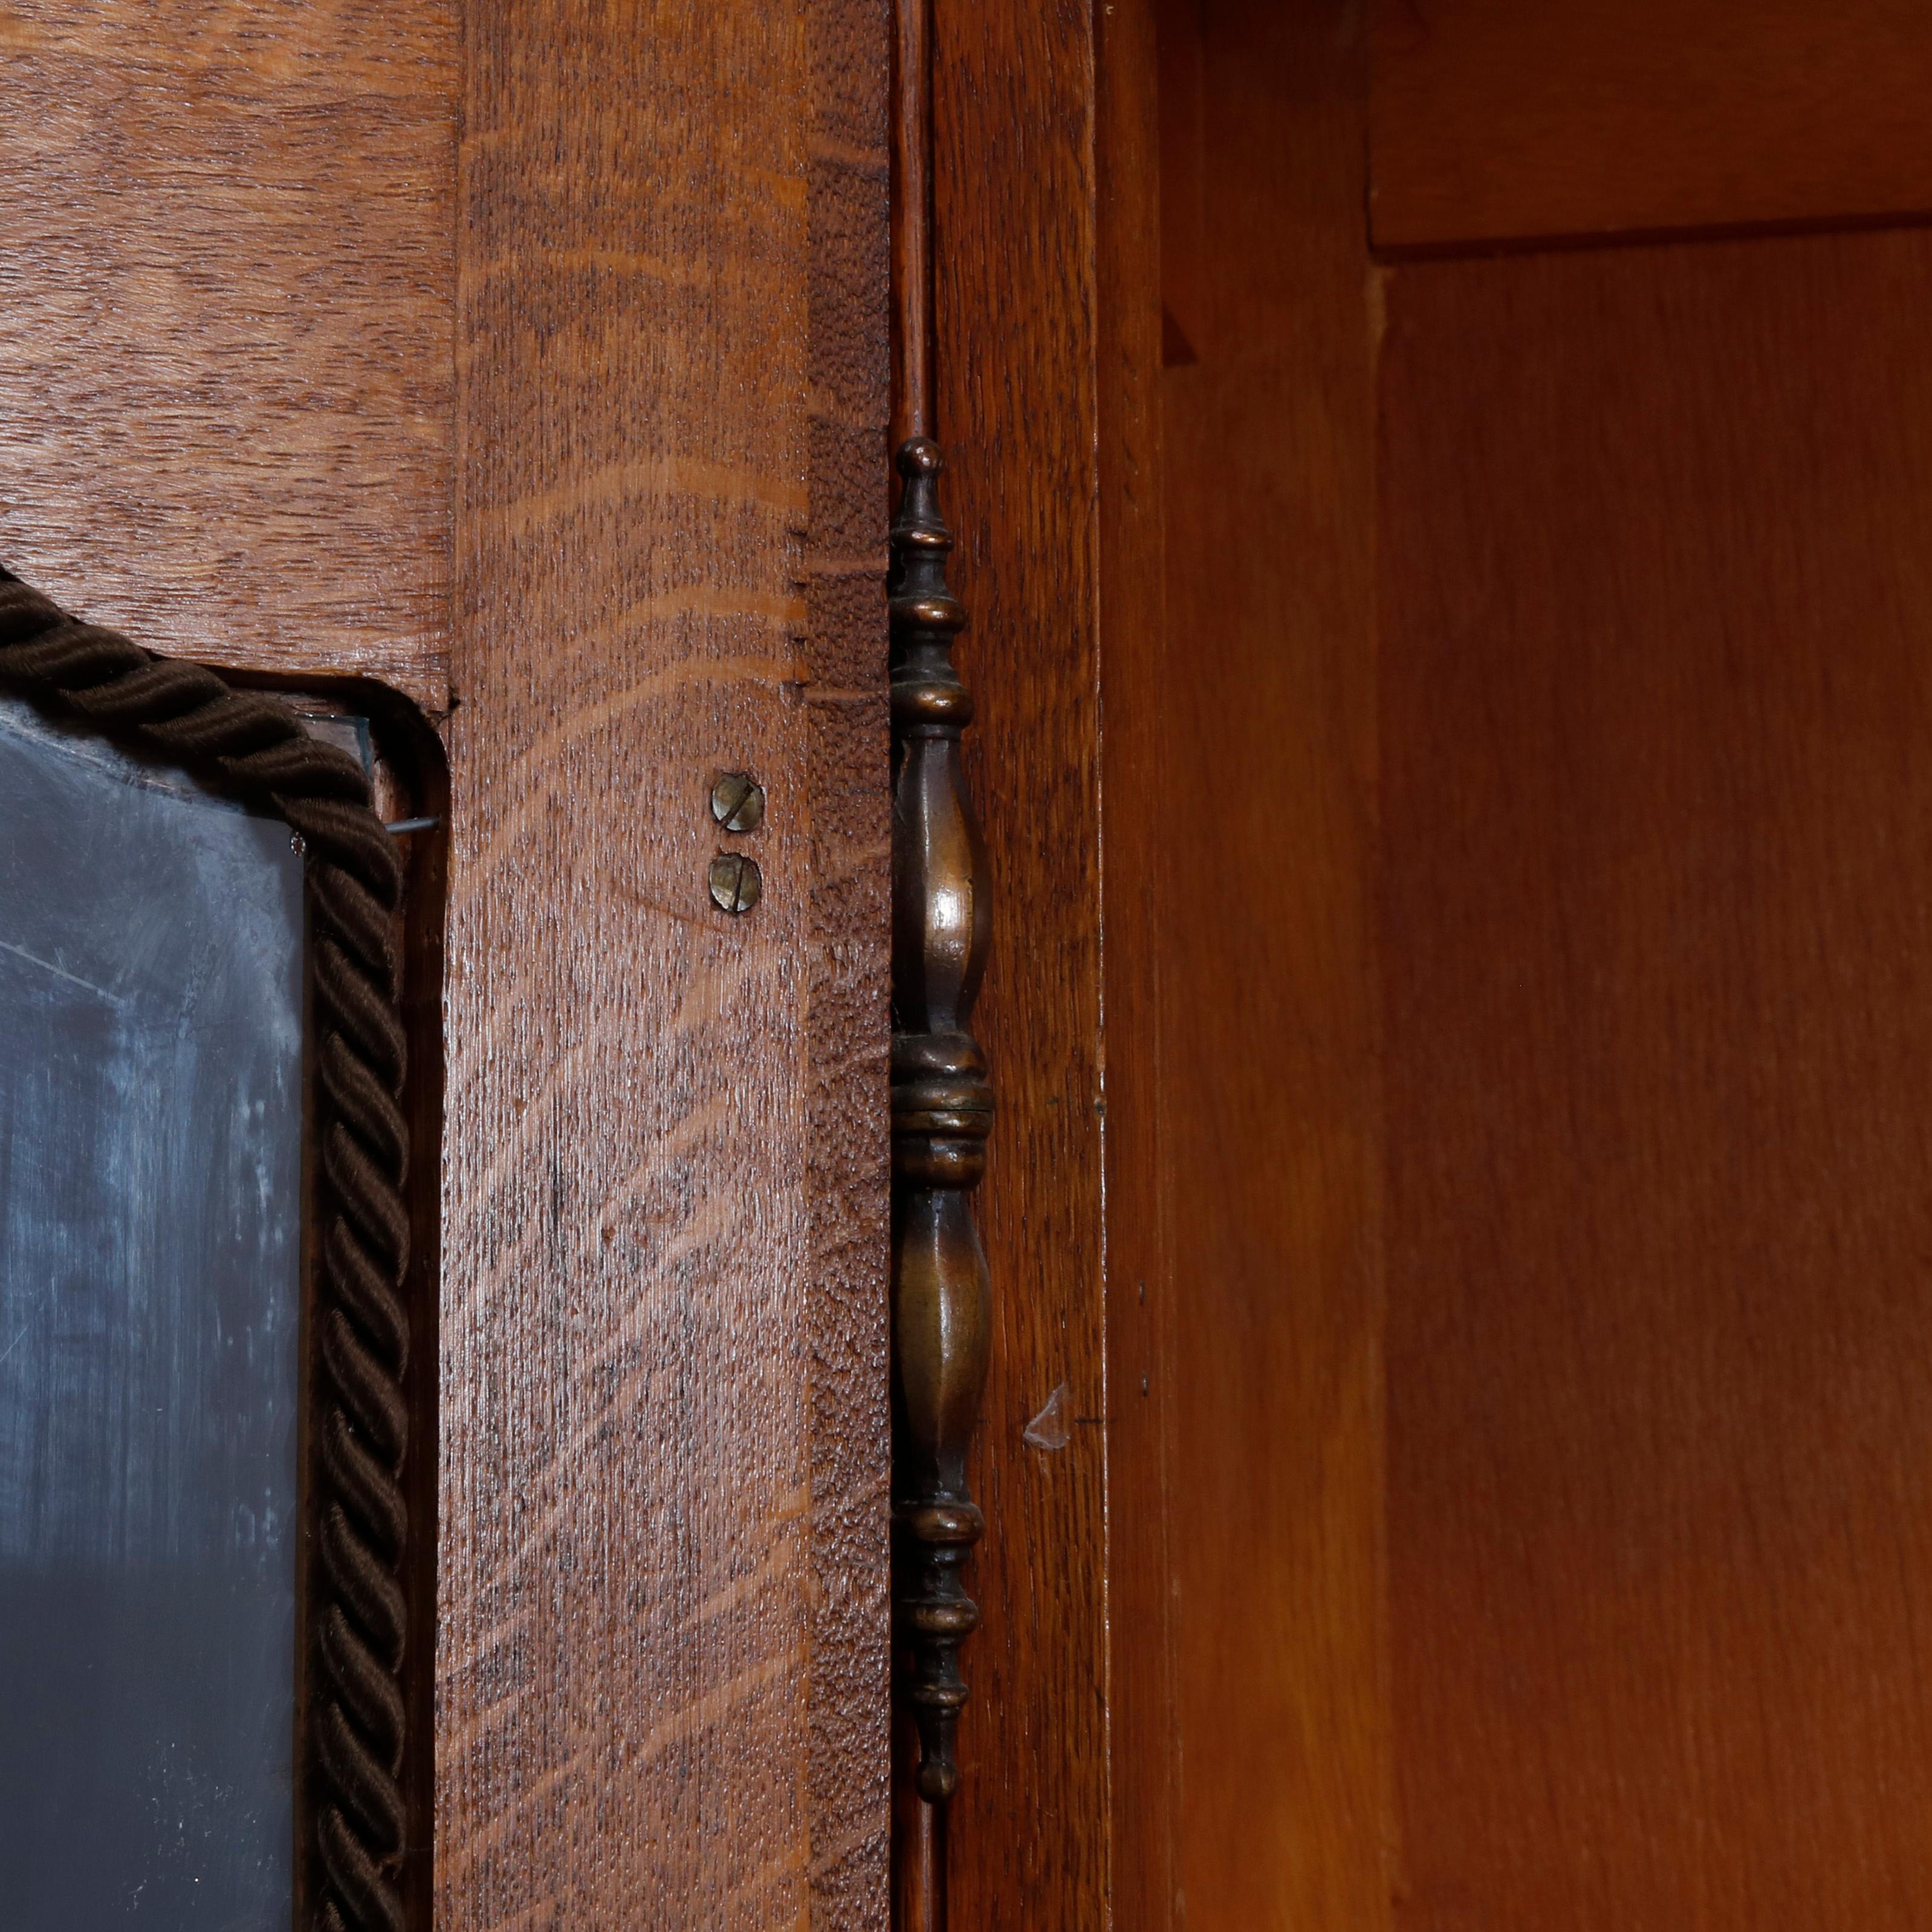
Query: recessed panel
x,y
1656,816
150,1158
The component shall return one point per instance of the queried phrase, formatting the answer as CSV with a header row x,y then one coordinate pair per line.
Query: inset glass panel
x,y
151,1193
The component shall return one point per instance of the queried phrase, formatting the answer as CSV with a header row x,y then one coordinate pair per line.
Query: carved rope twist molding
x,y
359,1615
942,1112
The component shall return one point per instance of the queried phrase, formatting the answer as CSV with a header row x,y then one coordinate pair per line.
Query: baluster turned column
x,y
942,1100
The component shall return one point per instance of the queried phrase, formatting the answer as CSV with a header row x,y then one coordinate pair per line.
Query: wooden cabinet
x,y
1438,496
1509,948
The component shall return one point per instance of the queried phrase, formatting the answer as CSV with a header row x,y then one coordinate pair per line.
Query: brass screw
x,y
735,882
738,801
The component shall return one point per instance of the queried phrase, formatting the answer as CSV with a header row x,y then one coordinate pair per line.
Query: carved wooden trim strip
x,y
357,1616
942,1098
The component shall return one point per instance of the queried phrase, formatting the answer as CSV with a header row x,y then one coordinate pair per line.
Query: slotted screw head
x,y
738,801
735,882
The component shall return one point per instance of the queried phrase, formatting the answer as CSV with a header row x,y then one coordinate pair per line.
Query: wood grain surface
x,y
226,310
1227,1286
261,336
670,1165
1136,663
1656,813
1508,119
1269,1099
1014,115
846,1022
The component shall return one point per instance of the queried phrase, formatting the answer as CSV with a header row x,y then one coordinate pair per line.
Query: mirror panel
x,y
150,1268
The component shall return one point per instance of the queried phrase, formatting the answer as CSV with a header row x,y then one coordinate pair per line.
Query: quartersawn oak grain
x,y
664,1215
238,366
226,290
1656,820
847,1023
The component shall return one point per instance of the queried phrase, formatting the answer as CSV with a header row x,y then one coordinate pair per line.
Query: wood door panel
x,y
1657,964
226,326
577,438
1499,120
